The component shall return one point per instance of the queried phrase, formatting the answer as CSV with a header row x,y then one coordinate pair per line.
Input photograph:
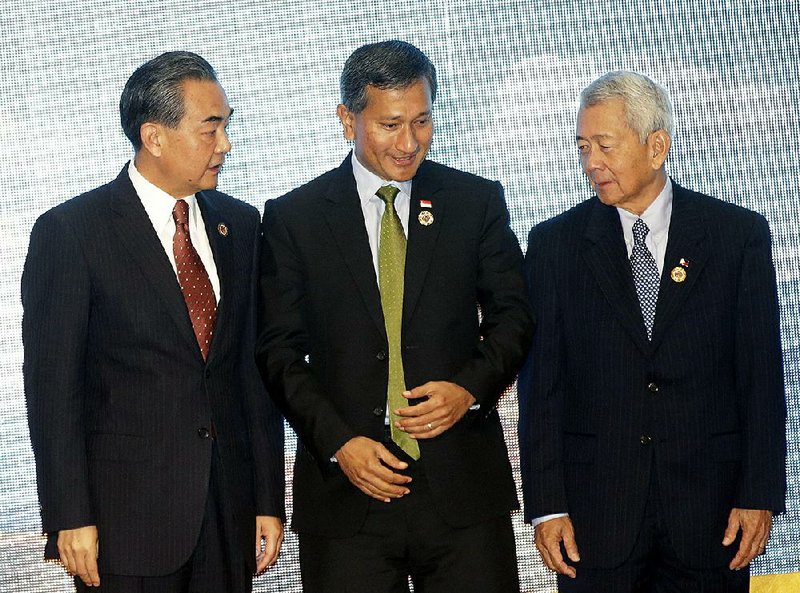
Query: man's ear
x,y
658,144
348,120
151,136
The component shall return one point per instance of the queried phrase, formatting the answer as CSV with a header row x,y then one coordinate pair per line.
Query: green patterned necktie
x,y
391,269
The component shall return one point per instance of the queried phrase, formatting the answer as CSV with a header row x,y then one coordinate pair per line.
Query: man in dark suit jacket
x,y
158,453
651,406
423,489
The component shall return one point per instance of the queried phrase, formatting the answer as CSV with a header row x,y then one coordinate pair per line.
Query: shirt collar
x,y
657,214
367,183
158,203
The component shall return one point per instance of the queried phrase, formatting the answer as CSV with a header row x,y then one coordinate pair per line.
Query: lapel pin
x,y
678,274
684,263
425,204
222,229
425,218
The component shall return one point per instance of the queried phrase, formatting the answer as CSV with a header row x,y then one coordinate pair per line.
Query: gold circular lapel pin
x,y
222,229
677,274
425,218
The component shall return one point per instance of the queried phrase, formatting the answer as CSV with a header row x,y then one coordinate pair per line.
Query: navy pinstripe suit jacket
x,y
702,404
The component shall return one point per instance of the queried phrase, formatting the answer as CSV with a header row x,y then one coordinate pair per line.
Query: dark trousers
x,y
653,566
407,538
217,564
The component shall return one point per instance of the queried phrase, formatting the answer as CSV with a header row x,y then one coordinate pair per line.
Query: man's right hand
x,y
368,465
549,536
78,551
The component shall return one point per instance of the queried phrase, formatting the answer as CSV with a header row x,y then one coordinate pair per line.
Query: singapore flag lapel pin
x,y
425,216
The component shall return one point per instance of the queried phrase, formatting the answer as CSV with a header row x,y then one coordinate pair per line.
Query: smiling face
x,y
393,133
188,158
623,171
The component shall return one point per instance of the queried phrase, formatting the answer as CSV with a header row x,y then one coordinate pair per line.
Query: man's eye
x,y
390,126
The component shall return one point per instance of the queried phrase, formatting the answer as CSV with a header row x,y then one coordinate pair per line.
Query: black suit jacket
x,y
323,347
702,405
120,401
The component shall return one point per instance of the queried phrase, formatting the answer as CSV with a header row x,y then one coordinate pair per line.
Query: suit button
x,y
645,440
378,412
652,387
203,432
381,355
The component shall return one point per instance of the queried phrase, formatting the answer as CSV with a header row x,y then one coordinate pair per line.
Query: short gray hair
x,y
389,64
647,104
154,92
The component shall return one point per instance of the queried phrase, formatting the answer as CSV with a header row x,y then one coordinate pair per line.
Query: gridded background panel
x,y
509,76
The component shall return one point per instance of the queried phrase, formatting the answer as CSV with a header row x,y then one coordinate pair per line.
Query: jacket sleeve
x,y
282,347
56,300
540,391
506,324
265,422
759,377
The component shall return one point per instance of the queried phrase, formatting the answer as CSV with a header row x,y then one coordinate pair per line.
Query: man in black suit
x,y
158,453
372,344
651,406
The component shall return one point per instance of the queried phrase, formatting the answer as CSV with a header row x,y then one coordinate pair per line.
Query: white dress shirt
x,y
367,183
159,205
656,217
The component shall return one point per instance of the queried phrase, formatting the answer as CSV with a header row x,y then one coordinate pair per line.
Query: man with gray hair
x,y
651,405
159,456
371,343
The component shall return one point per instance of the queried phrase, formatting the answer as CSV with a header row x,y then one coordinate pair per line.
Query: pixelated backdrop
x,y
510,73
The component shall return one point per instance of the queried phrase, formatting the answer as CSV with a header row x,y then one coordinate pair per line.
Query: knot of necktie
x,y
180,213
388,193
640,230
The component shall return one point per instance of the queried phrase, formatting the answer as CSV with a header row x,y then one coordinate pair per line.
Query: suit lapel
x,y
686,241
343,214
217,230
421,237
606,256
136,233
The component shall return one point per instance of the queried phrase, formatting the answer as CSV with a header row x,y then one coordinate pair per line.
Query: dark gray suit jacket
x,y
120,401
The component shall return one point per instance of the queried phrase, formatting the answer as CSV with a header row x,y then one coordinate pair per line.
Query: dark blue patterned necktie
x,y
645,275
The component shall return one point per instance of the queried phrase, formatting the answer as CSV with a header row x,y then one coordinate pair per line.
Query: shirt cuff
x,y
540,520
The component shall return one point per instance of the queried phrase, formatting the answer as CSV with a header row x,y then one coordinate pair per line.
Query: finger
x,y
392,461
554,549
571,546
425,407
731,530
271,549
67,558
423,390
80,568
91,567
745,552
424,423
548,562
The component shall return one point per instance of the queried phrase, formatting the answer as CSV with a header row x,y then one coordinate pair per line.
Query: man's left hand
x,y
755,525
446,404
269,537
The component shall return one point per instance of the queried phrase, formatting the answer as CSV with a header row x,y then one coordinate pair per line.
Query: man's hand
x,y
78,551
368,465
549,536
269,537
446,404
755,525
